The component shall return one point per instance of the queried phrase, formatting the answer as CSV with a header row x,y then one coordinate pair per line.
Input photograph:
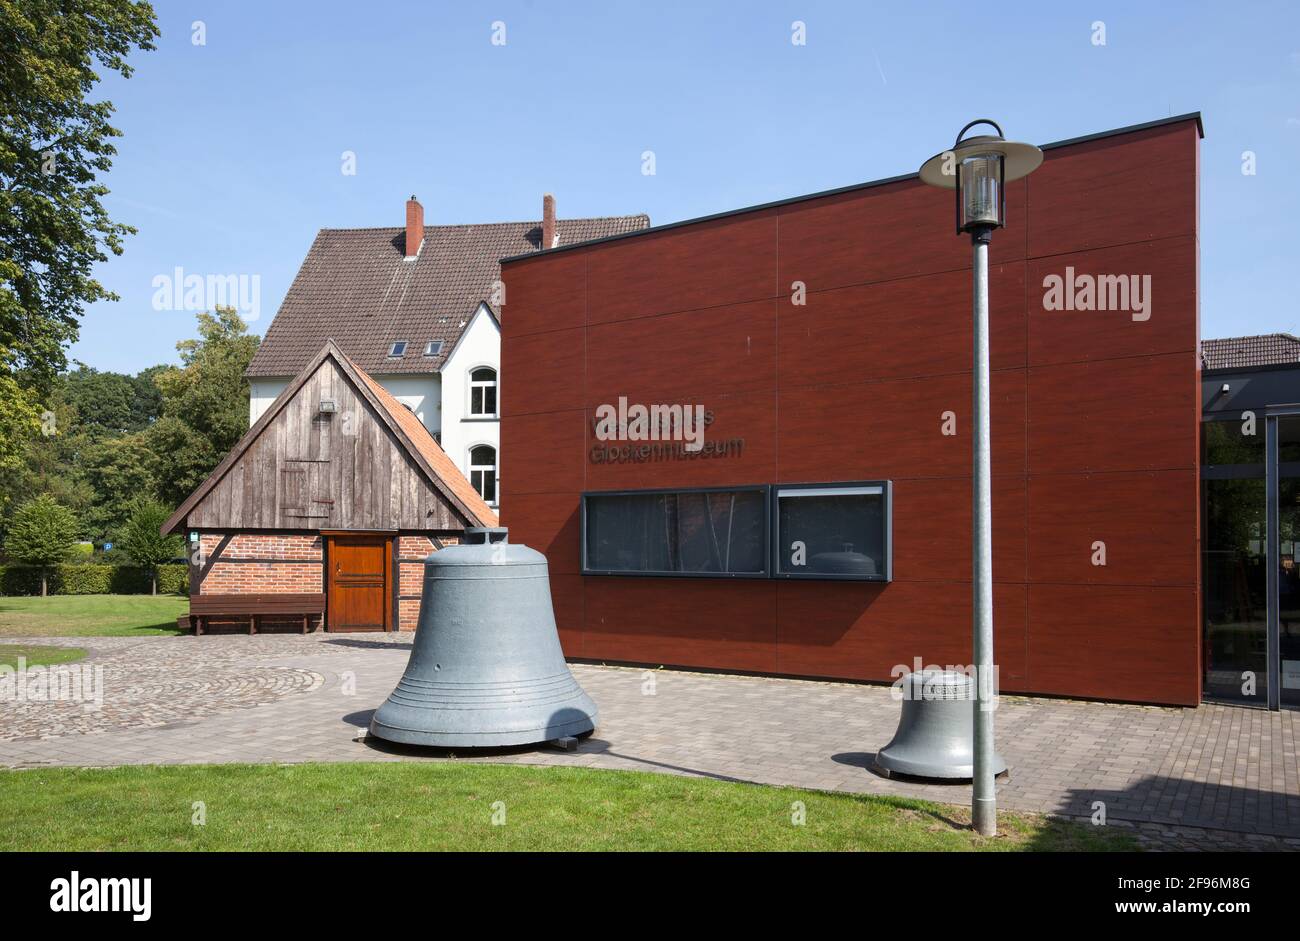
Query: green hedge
x,y
89,578
174,579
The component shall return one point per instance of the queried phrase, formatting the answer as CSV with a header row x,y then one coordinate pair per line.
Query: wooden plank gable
x,y
304,469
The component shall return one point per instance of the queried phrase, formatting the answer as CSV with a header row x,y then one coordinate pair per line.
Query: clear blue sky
x,y
231,158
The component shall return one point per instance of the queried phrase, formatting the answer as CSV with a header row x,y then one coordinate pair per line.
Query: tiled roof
x,y
1266,349
432,452
356,287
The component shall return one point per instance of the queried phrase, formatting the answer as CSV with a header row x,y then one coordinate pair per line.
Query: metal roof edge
x,y
1262,367
1130,129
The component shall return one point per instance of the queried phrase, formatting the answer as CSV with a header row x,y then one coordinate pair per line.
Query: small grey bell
x,y
935,736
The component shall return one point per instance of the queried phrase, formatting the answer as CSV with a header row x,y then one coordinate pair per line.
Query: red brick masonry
x,y
412,551
265,563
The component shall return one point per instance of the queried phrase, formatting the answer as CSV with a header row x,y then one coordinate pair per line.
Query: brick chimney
x,y
414,227
548,221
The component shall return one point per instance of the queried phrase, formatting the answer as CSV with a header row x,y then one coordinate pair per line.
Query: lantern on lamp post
x,y
978,170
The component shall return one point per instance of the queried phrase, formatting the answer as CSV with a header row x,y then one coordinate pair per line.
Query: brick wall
x,y
263,546
286,563
266,563
230,578
408,615
412,551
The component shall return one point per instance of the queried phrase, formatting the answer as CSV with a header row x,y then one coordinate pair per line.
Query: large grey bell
x,y
936,729
486,668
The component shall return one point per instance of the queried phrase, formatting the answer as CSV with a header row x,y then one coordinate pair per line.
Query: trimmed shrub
x,y
20,580
129,580
92,578
174,579
85,578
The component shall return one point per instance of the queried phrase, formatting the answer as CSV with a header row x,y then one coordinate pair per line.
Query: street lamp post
x,y
978,169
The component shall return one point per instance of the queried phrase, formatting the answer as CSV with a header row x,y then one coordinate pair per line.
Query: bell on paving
x,y
486,668
935,736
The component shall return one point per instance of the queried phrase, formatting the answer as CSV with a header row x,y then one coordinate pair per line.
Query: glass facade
x,y
1235,572
1250,490
1288,579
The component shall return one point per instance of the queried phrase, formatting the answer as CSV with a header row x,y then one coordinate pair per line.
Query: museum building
x,y
744,441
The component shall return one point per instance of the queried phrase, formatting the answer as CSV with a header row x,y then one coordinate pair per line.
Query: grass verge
x,y
91,615
467,806
36,655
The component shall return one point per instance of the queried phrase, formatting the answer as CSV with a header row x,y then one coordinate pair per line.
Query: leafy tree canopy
x,y
42,532
112,402
142,539
117,471
205,403
54,143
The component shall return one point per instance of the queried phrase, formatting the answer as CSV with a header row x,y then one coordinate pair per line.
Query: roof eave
x,y
1130,129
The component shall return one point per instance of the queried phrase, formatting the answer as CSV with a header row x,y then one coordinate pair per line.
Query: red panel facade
x,y
831,337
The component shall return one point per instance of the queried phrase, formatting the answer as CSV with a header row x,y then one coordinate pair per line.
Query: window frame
x,y
432,348
473,384
394,352
764,489
496,470
887,536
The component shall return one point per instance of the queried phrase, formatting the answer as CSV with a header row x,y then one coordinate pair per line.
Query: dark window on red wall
x,y
690,532
832,531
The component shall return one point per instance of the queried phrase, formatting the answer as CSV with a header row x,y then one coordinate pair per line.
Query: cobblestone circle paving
x,y
154,682
1210,778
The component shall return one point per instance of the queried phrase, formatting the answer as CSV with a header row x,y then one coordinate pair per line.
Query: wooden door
x,y
360,583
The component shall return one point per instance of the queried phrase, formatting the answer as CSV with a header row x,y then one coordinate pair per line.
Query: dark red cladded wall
x,y
1095,422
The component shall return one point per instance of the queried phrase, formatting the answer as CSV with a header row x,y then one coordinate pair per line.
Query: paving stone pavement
x,y
1216,777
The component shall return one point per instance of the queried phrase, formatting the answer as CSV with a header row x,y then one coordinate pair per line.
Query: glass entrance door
x,y
1287,644
1236,592
1235,574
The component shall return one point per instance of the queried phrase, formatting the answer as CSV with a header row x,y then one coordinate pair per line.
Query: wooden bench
x,y
253,607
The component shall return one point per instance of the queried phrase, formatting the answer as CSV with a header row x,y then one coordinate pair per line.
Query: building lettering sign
x,y
632,434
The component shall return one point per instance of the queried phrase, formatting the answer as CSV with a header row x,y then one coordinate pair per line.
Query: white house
x,y
417,308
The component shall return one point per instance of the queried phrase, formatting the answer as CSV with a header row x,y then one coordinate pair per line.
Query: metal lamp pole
x,y
984,800
978,169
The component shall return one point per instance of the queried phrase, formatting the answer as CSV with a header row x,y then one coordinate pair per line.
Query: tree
x,y
147,404
142,539
47,464
19,414
42,533
104,401
54,142
204,403
115,470
112,402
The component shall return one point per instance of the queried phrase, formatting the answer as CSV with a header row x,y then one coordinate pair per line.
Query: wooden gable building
x,y
324,511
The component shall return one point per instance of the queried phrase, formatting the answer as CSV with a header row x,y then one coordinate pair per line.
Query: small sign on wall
x,y
1291,674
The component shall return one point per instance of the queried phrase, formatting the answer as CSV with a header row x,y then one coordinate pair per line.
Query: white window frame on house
x,y
397,349
484,385
481,469
433,348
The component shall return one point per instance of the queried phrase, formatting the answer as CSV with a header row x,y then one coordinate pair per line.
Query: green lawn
x,y
450,806
38,656
85,615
